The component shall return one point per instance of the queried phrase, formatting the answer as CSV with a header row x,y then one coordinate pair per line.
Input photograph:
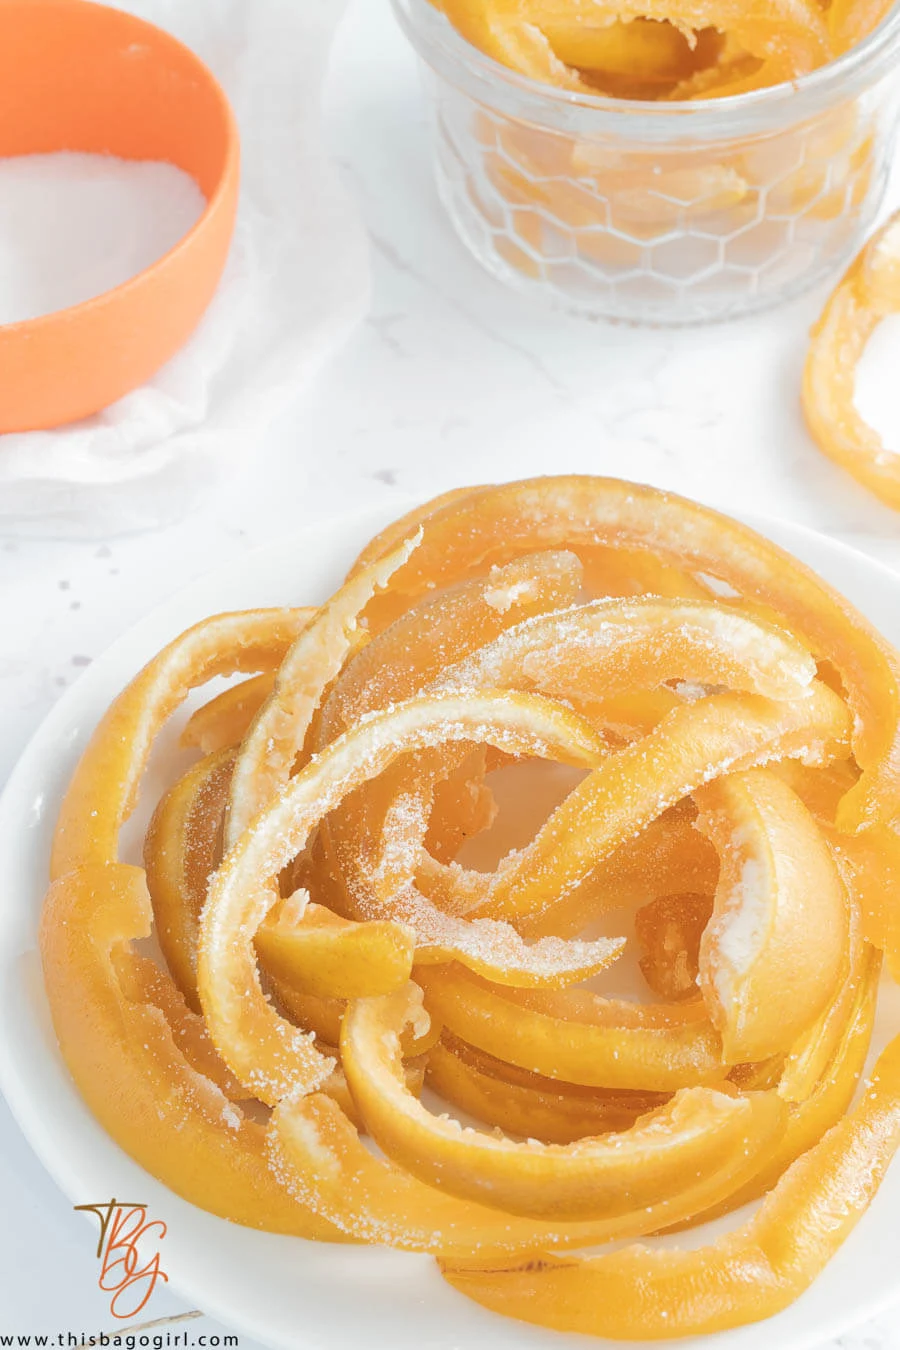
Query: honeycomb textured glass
x,y
644,213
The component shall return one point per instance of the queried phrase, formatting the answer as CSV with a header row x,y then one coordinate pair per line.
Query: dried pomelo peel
x,y
729,773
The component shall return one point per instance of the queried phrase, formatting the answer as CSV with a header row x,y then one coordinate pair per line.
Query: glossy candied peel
x,y
867,294
648,48
538,725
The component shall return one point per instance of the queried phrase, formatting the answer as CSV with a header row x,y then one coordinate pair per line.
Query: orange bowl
x,y
80,76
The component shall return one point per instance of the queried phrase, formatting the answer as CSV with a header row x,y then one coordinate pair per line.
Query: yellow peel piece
x,y
593,1177
745,1276
265,1052
780,919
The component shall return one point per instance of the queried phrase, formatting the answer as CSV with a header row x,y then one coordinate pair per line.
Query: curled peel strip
x,y
553,40
264,1051
869,291
747,1275
590,1178
121,1049
276,736
579,1037
780,918
575,511
103,791
721,734
587,650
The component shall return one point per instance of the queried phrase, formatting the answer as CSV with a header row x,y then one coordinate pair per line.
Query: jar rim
x,y
445,49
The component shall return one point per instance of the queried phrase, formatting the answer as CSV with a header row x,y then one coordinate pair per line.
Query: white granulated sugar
x,y
232,1117
75,225
502,597
742,927
317,1151
876,396
758,646
689,691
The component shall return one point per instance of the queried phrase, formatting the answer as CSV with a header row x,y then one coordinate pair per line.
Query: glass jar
x,y
661,213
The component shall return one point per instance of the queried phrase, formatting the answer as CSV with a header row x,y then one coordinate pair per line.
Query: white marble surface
x,y
449,380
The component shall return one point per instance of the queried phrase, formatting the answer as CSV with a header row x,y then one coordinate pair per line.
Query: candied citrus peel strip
x,y
593,1177
276,736
691,746
666,858
145,982
317,1154
869,291
639,1294
828,1099
313,949
780,919
524,1103
405,526
669,930
182,849
621,572
610,647
174,1120
223,722
498,31
870,863
576,1036
263,1050
103,790
641,50
566,512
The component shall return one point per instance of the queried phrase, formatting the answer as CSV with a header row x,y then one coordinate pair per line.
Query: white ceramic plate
x,y
309,1296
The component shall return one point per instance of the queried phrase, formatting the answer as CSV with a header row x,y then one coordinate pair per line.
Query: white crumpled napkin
x,y
294,286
